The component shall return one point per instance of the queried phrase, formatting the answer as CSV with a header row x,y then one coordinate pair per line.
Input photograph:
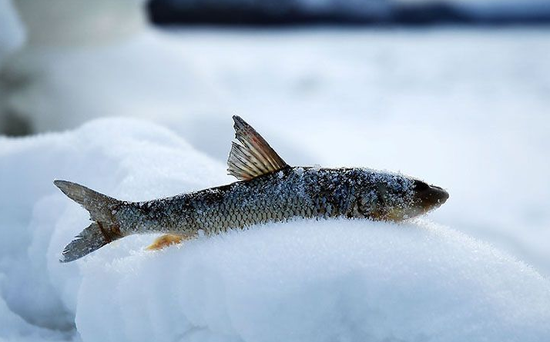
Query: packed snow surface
x,y
316,281
336,280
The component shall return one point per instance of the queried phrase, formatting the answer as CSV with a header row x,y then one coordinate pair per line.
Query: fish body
x,y
268,191
279,196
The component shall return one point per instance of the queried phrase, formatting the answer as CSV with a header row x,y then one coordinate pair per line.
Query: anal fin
x,y
167,240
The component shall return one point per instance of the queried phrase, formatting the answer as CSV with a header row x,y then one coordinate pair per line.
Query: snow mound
x,y
336,280
316,281
115,156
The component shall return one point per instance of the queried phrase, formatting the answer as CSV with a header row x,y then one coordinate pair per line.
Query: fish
x,y
267,190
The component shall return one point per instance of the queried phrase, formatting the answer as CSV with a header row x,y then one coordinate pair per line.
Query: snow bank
x,y
302,281
316,281
115,155
62,24
11,30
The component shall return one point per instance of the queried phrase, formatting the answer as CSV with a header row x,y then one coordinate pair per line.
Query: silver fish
x,y
268,190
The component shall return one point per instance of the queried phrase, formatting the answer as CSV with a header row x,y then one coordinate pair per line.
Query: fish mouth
x,y
429,196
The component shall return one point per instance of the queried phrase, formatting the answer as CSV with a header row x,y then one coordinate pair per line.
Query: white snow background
x,y
463,109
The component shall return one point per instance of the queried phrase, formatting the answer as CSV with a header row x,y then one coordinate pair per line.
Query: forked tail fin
x,y
103,230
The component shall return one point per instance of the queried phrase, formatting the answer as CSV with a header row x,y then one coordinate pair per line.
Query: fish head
x,y
428,197
397,198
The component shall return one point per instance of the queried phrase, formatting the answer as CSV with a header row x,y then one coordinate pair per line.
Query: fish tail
x,y
102,231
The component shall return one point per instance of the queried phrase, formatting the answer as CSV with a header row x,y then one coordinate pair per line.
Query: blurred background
x,y
454,92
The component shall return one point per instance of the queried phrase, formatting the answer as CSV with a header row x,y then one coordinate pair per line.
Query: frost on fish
x,y
269,191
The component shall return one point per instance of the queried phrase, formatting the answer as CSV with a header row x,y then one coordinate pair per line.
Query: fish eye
x,y
420,185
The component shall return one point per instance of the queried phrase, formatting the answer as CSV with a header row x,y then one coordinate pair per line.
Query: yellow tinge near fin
x,y
166,240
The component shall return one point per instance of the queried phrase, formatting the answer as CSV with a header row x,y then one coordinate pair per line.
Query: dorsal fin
x,y
251,156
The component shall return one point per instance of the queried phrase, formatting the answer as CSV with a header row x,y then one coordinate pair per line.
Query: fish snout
x,y
429,196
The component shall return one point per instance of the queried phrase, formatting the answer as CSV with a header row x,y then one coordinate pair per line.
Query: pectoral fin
x,y
251,156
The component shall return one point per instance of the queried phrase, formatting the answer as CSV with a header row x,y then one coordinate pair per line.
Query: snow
x,y
64,24
300,281
317,281
34,286
11,31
